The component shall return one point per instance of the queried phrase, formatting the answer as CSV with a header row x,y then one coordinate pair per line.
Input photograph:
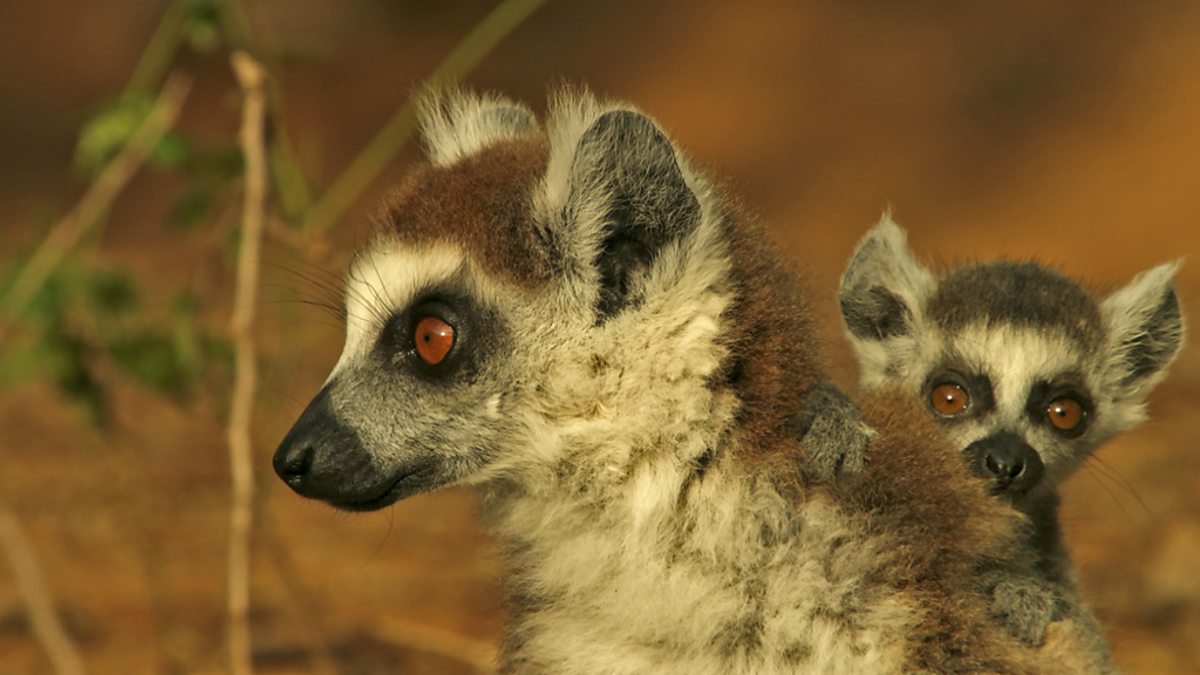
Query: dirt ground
x,y
1067,132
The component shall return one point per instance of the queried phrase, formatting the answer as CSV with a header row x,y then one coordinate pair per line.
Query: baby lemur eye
x,y
433,339
949,399
1065,414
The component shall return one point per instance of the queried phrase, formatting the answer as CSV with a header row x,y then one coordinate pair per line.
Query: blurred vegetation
x,y
89,319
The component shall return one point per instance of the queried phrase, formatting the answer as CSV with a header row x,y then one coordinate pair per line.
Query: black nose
x,y
321,457
292,462
1012,465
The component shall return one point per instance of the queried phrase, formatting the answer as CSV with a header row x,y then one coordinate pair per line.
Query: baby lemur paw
x,y
1024,605
834,435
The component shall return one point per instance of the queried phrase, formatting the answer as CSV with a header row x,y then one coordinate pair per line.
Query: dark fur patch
x,y
875,313
1021,293
624,155
1152,348
481,203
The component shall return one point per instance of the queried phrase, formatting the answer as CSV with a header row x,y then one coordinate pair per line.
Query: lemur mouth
x,y
410,482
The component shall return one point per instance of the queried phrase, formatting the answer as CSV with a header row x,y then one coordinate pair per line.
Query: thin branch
x,y
94,206
283,163
477,653
250,76
46,626
159,51
367,166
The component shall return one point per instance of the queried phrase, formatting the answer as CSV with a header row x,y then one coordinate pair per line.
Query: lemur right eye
x,y
949,399
433,339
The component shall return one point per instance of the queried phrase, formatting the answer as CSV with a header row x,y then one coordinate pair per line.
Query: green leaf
x,y
152,359
202,24
75,379
38,360
193,205
103,136
112,292
172,151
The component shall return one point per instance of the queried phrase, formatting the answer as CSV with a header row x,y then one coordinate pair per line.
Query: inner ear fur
x,y
883,285
1146,328
625,174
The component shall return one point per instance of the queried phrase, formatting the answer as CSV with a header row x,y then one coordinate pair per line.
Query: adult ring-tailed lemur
x,y
567,316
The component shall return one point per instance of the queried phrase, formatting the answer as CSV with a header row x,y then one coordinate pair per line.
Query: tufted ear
x,y
884,286
456,124
626,183
1145,329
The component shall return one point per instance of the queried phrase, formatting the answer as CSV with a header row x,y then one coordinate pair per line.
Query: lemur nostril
x,y
292,463
1007,468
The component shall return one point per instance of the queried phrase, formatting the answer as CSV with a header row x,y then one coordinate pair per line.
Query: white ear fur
x,y
1145,330
456,124
882,260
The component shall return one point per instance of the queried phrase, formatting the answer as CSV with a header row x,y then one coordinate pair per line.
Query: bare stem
x,y
159,51
94,206
251,77
367,166
42,615
477,653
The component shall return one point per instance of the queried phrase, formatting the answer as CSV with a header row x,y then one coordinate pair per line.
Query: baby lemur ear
x,y
884,286
625,176
1145,329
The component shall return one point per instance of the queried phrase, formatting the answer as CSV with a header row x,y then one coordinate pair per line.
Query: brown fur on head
x,y
483,204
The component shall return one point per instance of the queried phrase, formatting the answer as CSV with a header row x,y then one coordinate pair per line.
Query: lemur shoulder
x,y
568,317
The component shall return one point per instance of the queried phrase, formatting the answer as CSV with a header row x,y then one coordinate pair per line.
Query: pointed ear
x,y
1145,329
884,286
456,124
625,178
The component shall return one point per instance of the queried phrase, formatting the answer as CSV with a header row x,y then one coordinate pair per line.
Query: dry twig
x,y
479,654
42,616
250,76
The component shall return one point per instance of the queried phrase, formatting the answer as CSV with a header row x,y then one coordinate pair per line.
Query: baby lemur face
x,y
1025,370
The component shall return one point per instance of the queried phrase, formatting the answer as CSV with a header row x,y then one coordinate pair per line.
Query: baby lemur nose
x,y
1013,466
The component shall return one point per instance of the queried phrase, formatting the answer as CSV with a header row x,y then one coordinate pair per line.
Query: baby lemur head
x,y
1025,370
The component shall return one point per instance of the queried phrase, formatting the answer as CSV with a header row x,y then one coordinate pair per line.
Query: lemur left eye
x,y
949,399
433,339
1065,414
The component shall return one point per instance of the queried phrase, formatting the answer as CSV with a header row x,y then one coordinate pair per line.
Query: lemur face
x,y
1025,370
516,291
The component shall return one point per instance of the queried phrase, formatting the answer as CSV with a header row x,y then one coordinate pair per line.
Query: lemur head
x,y
529,292
1026,370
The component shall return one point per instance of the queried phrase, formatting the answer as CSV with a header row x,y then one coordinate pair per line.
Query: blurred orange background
x,y
1068,132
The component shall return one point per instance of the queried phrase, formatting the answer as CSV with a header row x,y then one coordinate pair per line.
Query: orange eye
x,y
433,339
1065,414
949,399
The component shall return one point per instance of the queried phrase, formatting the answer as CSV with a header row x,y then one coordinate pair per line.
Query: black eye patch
x,y
977,385
1045,392
475,333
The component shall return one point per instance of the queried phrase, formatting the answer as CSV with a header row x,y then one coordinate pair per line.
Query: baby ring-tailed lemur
x,y
1023,369
569,318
